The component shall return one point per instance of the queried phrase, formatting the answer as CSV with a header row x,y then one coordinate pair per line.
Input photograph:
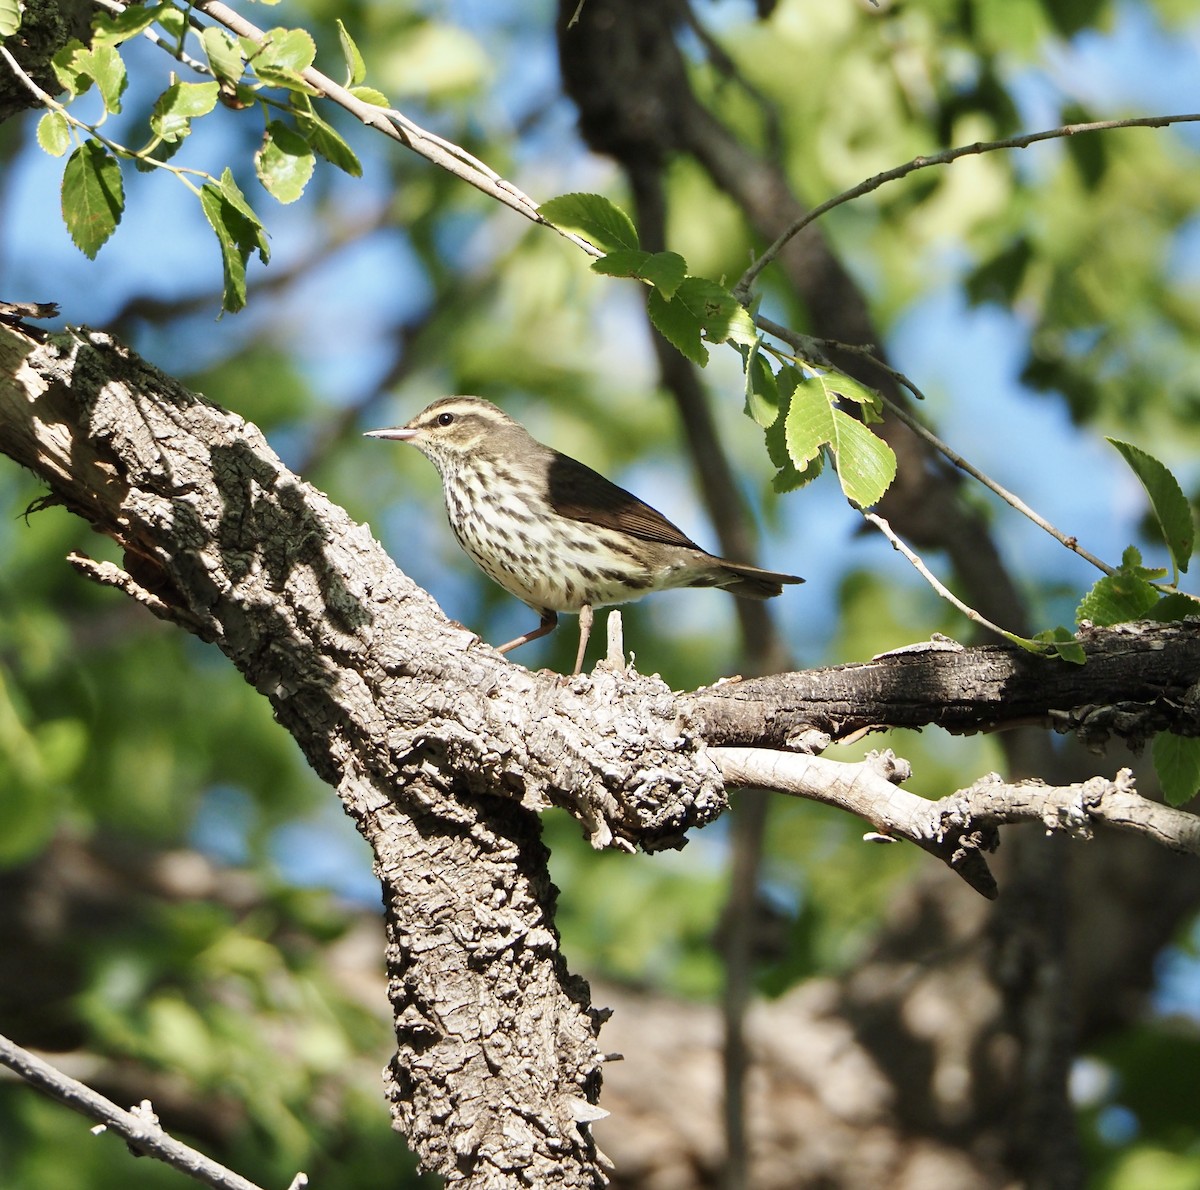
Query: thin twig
x,y
875,519
138,1128
399,127
944,158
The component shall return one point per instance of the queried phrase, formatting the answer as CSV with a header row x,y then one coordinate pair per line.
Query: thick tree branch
x,y
442,750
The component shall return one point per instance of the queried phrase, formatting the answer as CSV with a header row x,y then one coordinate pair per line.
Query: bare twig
x,y
139,1128
875,519
869,789
943,158
395,124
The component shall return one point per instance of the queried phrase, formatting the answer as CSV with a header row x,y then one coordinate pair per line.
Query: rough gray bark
x,y
440,749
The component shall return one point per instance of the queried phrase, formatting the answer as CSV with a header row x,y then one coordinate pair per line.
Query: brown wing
x,y
577,491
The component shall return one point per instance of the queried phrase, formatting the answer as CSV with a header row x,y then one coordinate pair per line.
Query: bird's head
x,y
454,430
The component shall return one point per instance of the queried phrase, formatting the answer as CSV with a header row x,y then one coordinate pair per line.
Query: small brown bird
x,y
552,532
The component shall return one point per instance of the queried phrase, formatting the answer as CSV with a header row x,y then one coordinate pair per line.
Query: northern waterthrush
x,y
553,532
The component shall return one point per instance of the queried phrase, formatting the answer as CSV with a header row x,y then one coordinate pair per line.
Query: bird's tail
x,y
751,582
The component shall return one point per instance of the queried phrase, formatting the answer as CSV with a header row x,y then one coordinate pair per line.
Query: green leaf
x,y
1177,762
10,17
356,68
788,477
679,325
700,307
1061,640
865,463
763,402
664,270
239,233
54,133
174,23
324,140
809,423
224,55
1117,598
237,236
178,105
853,390
283,57
1166,498
1176,606
110,28
105,65
66,70
286,49
370,95
284,163
92,197
593,217
252,224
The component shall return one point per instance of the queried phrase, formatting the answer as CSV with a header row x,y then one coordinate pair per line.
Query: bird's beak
x,y
400,434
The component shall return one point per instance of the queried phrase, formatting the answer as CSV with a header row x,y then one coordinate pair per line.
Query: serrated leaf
x,y
624,262
93,197
678,325
237,233
64,64
326,141
1116,599
285,79
594,217
252,225
664,270
1166,498
54,134
284,163
10,17
356,68
1176,606
286,49
178,105
866,465
719,313
1177,763
809,422
224,54
370,95
113,28
1064,643
763,402
787,476
853,390
105,65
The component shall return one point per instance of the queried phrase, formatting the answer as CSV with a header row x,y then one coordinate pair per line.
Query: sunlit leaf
x,y
224,54
113,28
93,196
356,68
1166,498
178,105
284,162
600,221
54,133
10,17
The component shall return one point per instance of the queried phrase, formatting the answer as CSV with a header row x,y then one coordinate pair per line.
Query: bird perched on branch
x,y
553,532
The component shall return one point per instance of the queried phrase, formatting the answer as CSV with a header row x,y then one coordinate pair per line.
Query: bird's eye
x,y
444,419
